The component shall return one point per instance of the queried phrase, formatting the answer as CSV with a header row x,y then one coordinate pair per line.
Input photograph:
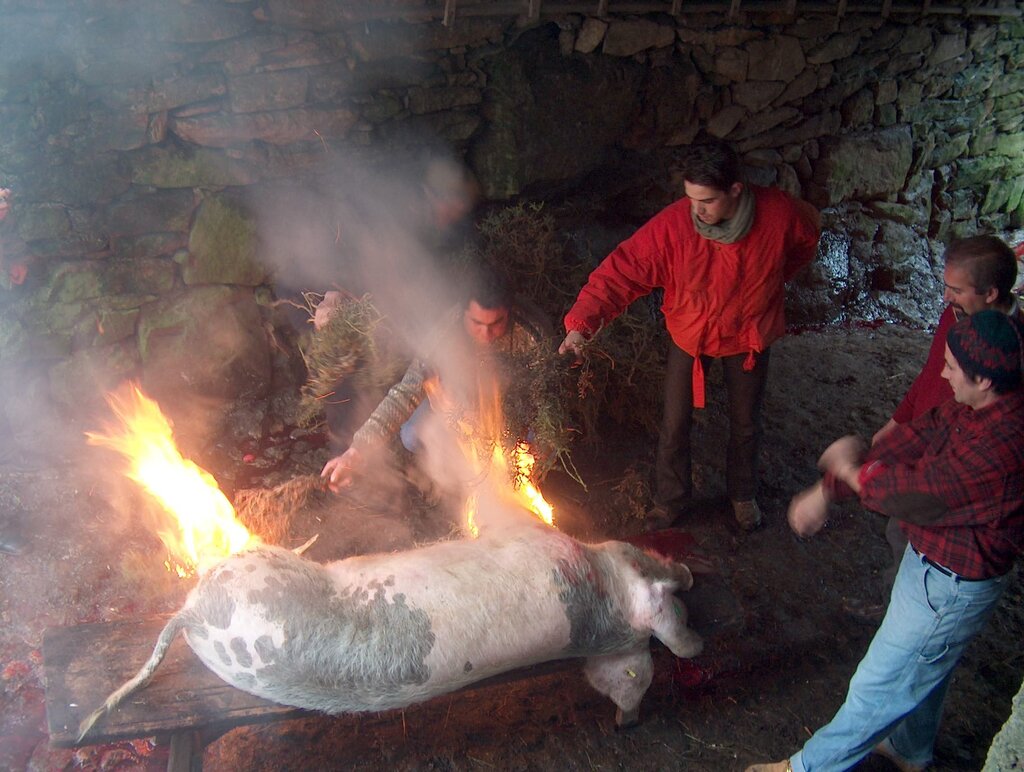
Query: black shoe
x,y
12,542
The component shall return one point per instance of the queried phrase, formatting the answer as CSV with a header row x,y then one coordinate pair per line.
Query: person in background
x,y
979,275
954,479
450,193
437,213
486,326
723,255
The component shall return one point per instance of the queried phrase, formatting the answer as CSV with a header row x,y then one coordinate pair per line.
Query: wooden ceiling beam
x,y
362,11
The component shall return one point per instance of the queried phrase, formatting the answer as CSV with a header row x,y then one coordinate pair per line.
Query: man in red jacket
x,y
722,254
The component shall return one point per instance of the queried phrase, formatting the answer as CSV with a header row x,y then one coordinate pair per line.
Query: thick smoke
x,y
364,221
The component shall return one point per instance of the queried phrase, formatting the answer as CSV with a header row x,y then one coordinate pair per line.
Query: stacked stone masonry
x,y
142,140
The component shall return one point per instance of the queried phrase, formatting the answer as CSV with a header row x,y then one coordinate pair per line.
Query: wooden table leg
x,y
186,752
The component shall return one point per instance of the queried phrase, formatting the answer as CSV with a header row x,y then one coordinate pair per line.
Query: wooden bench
x,y
187,704
184,701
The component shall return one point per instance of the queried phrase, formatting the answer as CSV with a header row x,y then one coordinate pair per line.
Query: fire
x,y
520,470
523,462
201,526
483,448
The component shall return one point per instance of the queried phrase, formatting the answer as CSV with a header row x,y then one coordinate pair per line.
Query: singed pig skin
x,y
385,631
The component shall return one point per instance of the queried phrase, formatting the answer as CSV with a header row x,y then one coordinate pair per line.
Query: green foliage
x,y
356,343
537,404
522,244
632,494
621,376
549,400
625,369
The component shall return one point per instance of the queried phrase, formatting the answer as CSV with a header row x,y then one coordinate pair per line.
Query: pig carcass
x,y
385,631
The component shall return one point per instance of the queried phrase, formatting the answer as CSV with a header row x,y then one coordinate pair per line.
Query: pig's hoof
x,y
626,719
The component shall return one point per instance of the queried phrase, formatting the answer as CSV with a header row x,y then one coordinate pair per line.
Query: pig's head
x,y
650,566
650,582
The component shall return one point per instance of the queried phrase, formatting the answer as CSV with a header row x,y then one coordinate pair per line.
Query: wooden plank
x,y
184,700
677,7
84,664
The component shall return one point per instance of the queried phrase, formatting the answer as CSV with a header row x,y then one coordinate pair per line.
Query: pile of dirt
x,y
780,646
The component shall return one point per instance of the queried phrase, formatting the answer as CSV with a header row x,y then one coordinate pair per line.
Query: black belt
x,y
942,569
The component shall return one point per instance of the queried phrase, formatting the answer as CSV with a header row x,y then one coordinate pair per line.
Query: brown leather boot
x,y
748,514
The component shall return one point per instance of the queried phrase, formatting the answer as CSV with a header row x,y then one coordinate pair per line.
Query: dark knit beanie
x,y
989,344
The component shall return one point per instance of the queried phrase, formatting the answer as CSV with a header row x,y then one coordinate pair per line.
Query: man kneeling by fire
x,y
954,477
476,346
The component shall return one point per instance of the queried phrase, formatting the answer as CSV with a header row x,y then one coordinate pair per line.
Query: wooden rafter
x,y
360,11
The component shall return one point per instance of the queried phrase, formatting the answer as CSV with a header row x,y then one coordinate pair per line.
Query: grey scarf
x,y
735,228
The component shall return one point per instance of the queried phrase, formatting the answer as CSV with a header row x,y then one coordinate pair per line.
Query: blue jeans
x,y
900,684
409,432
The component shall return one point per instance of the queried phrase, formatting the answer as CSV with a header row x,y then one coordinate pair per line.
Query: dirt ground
x,y
780,642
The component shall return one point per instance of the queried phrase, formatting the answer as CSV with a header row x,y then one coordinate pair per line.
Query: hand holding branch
x,y
341,470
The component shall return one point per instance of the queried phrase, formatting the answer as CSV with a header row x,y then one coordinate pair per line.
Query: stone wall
x,y
177,163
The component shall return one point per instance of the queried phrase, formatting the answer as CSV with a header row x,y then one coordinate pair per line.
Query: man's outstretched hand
x,y
573,344
341,470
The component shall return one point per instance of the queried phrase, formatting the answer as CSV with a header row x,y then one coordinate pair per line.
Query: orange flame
x,y
203,528
483,448
524,461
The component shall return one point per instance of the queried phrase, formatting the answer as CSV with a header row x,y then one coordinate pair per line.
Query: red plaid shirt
x,y
955,477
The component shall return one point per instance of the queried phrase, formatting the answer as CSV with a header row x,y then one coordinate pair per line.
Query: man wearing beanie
x,y
954,478
979,274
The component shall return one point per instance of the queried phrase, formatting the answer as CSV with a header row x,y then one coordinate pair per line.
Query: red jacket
x,y
929,389
720,299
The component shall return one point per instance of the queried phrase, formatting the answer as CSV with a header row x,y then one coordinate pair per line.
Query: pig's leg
x,y
623,678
